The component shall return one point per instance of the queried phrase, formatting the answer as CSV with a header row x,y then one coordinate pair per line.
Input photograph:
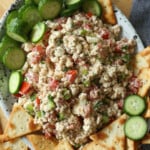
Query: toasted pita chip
x,y
39,142
146,139
112,135
142,60
20,123
144,77
108,14
131,145
16,144
147,113
96,146
63,145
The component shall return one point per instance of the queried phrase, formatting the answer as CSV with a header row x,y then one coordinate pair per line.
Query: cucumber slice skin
x,y
73,4
17,30
14,58
5,44
29,2
134,105
30,14
135,128
50,9
15,80
92,6
38,32
13,14
37,1
67,12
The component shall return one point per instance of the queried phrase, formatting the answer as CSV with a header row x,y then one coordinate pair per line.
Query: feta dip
x,y
79,75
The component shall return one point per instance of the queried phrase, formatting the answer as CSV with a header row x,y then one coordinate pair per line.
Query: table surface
x,y
124,5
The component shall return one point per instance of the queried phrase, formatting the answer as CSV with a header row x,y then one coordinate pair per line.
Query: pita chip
x,y
131,145
144,77
142,60
19,124
64,145
112,135
16,144
147,112
108,14
39,142
96,146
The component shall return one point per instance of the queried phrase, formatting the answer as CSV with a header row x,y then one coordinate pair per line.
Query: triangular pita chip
x,y
96,146
64,145
147,112
144,77
19,124
39,142
131,145
112,135
16,144
142,60
108,14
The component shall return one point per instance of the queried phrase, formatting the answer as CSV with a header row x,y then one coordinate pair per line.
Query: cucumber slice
x,y
67,12
14,58
16,29
29,2
5,44
15,80
135,127
38,32
73,4
50,9
13,14
134,105
37,1
92,6
31,15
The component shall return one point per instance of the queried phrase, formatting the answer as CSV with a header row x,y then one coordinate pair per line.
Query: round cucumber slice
x,y
134,105
16,29
15,80
50,9
5,44
31,15
14,58
135,127
38,32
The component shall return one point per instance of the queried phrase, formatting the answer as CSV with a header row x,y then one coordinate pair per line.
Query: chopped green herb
x,y
66,94
105,119
126,58
86,83
51,102
98,105
83,32
125,47
61,116
33,97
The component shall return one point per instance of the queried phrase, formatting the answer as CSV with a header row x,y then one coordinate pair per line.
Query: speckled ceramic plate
x,y
6,101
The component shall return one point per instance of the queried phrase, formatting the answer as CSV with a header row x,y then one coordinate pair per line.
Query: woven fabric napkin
x,y
140,19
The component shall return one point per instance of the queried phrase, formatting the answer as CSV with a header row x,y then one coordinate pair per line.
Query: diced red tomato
x,y
71,75
17,95
46,37
59,27
53,84
39,49
89,14
87,27
120,104
105,34
25,87
38,101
